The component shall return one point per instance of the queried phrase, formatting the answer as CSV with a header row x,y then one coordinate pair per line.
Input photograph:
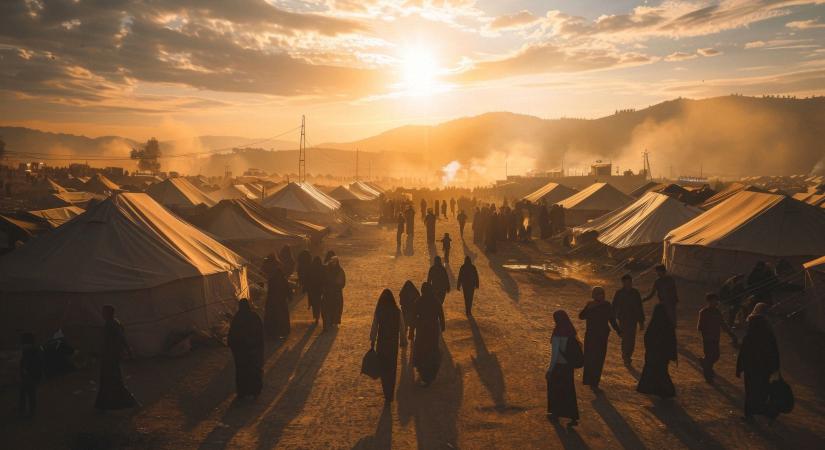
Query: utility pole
x,y
302,152
646,165
356,164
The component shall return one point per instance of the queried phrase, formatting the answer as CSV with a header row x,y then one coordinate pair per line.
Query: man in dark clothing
x,y
452,207
598,313
335,280
462,220
665,288
31,372
438,279
409,216
436,208
468,283
276,315
401,222
627,304
430,223
423,208
710,326
246,340
112,393
444,208
758,360
491,232
731,296
761,282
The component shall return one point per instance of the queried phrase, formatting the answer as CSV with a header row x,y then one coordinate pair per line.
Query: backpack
x,y
573,353
781,396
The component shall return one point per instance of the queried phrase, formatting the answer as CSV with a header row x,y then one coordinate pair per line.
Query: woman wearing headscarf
x,y
561,390
246,340
598,313
438,279
333,305
660,350
278,295
409,296
468,283
112,393
315,286
758,360
385,335
429,324
287,261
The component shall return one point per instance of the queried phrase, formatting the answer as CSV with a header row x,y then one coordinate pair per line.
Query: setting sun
x,y
419,72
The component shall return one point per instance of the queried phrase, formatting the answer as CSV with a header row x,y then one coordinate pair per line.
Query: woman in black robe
x,y
758,360
246,340
598,313
429,324
112,393
386,333
561,390
439,280
660,350
333,305
315,287
409,296
278,295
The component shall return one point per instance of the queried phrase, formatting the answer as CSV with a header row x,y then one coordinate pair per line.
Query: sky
x,y
354,68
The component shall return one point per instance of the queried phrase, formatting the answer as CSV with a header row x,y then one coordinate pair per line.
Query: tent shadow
x,y
506,281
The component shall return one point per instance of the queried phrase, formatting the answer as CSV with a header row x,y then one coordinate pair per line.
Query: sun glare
x,y
419,71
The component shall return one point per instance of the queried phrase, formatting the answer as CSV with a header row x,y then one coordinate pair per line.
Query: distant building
x,y
600,169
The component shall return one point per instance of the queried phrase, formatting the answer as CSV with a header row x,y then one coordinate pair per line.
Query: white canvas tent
x,y
178,193
815,288
594,201
100,184
302,198
644,222
551,193
728,192
344,194
161,274
748,227
57,216
364,190
234,191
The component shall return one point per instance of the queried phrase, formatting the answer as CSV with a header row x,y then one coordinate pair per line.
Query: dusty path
x,y
490,392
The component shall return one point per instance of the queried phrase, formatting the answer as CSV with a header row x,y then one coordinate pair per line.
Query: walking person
x,y
302,268
561,390
665,288
315,287
444,208
423,208
758,360
462,221
429,223
386,333
31,372
112,393
409,296
246,340
660,350
446,243
409,216
278,296
428,326
630,315
710,325
439,280
333,304
467,283
452,206
600,317
401,223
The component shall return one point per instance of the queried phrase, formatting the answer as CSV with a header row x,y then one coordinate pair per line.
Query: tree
x,y
148,156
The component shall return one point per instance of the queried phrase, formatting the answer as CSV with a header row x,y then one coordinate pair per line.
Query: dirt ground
x,y
490,392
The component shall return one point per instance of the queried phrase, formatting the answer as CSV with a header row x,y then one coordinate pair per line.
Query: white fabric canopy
x,y
302,197
343,194
178,192
233,191
240,219
645,221
99,184
364,190
597,197
58,216
551,193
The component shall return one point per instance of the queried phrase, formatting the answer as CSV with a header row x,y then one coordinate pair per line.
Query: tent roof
x,y
233,191
756,222
58,216
647,220
551,193
72,198
598,197
178,192
241,219
301,197
99,184
49,186
816,264
26,226
343,193
645,188
364,189
126,242
727,193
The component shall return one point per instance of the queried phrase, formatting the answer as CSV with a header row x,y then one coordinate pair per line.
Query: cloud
x,y
805,24
515,20
708,52
755,44
680,56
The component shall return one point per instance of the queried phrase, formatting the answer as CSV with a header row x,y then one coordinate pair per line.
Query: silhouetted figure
x,y
462,221
491,232
428,326
710,326
315,287
660,350
287,261
423,207
665,288
269,264
446,244
598,313
401,222
112,393
439,280
761,282
561,390
429,222
31,372
57,356
276,315
334,282
627,305
758,360
545,229
444,208
452,207
436,208
386,333
732,295
302,268
246,340
409,217
468,283
409,296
